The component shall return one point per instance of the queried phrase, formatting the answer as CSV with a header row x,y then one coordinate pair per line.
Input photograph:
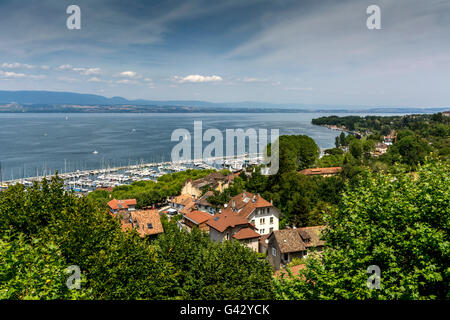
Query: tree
x,y
397,222
342,140
411,149
296,153
34,269
209,270
356,148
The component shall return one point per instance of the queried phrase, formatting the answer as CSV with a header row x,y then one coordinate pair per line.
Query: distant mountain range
x,y
53,101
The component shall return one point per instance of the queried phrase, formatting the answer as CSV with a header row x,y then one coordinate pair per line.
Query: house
x,y
286,244
215,180
324,172
108,189
202,203
180,202
256,210
380,148
118,206
390,138
145,222
193,219
227,225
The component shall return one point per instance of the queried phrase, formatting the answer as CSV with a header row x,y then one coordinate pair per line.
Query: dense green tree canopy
x,y
397,222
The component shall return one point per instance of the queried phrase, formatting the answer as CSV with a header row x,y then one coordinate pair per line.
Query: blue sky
x,y
306,52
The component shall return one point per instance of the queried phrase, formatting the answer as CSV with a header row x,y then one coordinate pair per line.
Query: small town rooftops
x,y
212,180
246,233
146,222
121,204
183,199
226,219
203,200
198,217
321,171
294,240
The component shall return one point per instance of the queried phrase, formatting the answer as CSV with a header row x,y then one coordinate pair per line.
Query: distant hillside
x,y
71,98
53,101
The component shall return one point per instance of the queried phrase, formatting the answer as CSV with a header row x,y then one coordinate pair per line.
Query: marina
x,y
87,181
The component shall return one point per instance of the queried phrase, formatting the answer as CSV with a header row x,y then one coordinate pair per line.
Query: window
x,y
262,221
274,252
253,221
270,230
149,225
262,231
271,220
268,210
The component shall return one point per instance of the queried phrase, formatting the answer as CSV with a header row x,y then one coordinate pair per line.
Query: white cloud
x,y
196,78
91,71
65,67
94,79
83,71
11,65
14,75
17,65
128,74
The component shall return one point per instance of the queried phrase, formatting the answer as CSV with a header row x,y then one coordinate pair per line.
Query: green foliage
x,y
296,152
356,148
397,222
32,270
115,264
214,271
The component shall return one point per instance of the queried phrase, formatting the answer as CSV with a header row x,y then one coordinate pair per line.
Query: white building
x,y
256,210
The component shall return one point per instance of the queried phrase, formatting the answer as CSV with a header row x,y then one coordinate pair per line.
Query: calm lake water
x,y
34,142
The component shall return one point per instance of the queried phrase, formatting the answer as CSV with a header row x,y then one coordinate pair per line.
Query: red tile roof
x,y
121,204
246,233
146,222
183,199
321,171
247,202
226,219
294,240
198,217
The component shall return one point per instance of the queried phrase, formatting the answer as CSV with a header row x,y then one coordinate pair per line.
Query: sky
x,y
275,51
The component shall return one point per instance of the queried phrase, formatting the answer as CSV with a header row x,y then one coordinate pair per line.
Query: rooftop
x,y
198,217
246,233
294,240
121,204
146,222
226,219
321,171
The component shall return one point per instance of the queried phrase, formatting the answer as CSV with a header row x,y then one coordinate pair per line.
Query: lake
x,y
32,143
